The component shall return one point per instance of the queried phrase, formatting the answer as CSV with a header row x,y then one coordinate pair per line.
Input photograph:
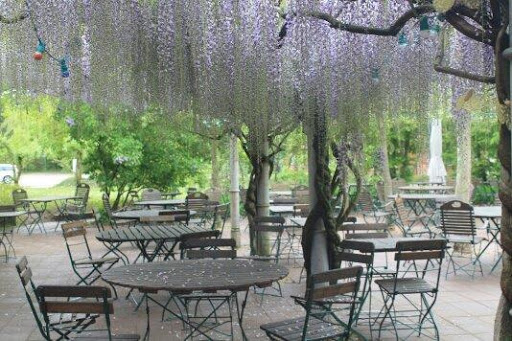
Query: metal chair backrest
x,y
18,195
416,258
329,285
75,235
284,201
364,231
106,205
362,253
212,234
365,201
401,213
82,190
97,219
25,274
457,219
273,225
220,216
179,215
209,248
196,195
58,299
150,194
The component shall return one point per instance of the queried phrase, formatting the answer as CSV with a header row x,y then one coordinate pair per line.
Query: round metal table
x,y
181,277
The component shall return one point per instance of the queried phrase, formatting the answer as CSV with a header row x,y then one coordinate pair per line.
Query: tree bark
x,y
383,155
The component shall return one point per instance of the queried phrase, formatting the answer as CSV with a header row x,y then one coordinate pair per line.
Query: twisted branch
x,y
439,67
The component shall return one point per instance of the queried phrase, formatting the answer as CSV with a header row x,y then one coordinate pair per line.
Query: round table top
x,y
137,214
184,276
425,188
427,196
487,211
161,202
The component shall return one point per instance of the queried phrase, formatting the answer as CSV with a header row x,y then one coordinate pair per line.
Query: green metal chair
x,y
458,227
328,292
56,299
86,267
410,295
75,208
61,325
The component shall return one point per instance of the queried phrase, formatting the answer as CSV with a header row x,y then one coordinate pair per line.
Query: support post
x,y
234,189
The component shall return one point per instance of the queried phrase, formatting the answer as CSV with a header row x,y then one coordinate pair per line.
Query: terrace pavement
x,y
465,309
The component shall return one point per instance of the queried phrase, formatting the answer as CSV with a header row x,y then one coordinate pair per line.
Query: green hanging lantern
x,y
424,26
64,68
402,40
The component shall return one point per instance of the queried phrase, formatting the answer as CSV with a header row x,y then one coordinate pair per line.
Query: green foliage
x,y
406,140
126,150
6,193
30,129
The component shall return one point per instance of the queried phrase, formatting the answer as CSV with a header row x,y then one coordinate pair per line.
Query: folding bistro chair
x,y
207,312
370,211
60,324
268,232
459,228
406,220
56,299
85,266
115,223
112,247
327,291
220,217
413,280
33,214
74,209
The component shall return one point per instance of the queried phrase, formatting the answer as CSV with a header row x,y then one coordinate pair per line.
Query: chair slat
x,y
419,255
333,290
75,307
337,274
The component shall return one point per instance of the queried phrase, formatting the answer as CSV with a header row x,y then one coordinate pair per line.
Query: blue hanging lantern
x,y
424,26
402,40
375,75
64,68
41,47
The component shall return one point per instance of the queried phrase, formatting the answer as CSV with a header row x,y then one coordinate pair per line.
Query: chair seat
x,y
377,214
97,260
452,238
405,285
291,330
104,337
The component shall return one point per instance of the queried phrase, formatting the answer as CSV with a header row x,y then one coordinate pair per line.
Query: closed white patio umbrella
x,y
436,169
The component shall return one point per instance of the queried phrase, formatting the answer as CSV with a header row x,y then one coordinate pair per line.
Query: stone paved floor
x,y
465,308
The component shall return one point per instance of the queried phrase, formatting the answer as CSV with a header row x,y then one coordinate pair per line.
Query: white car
x,y
7,173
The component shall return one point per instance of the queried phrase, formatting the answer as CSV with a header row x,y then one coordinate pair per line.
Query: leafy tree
x,y
125,150
30,129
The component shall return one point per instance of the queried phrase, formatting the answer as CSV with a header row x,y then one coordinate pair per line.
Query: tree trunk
x,y
463,132
262,194
383,156
319,258
503,322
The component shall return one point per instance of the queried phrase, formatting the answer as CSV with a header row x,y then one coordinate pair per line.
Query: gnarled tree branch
x,y
392,30
439,67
